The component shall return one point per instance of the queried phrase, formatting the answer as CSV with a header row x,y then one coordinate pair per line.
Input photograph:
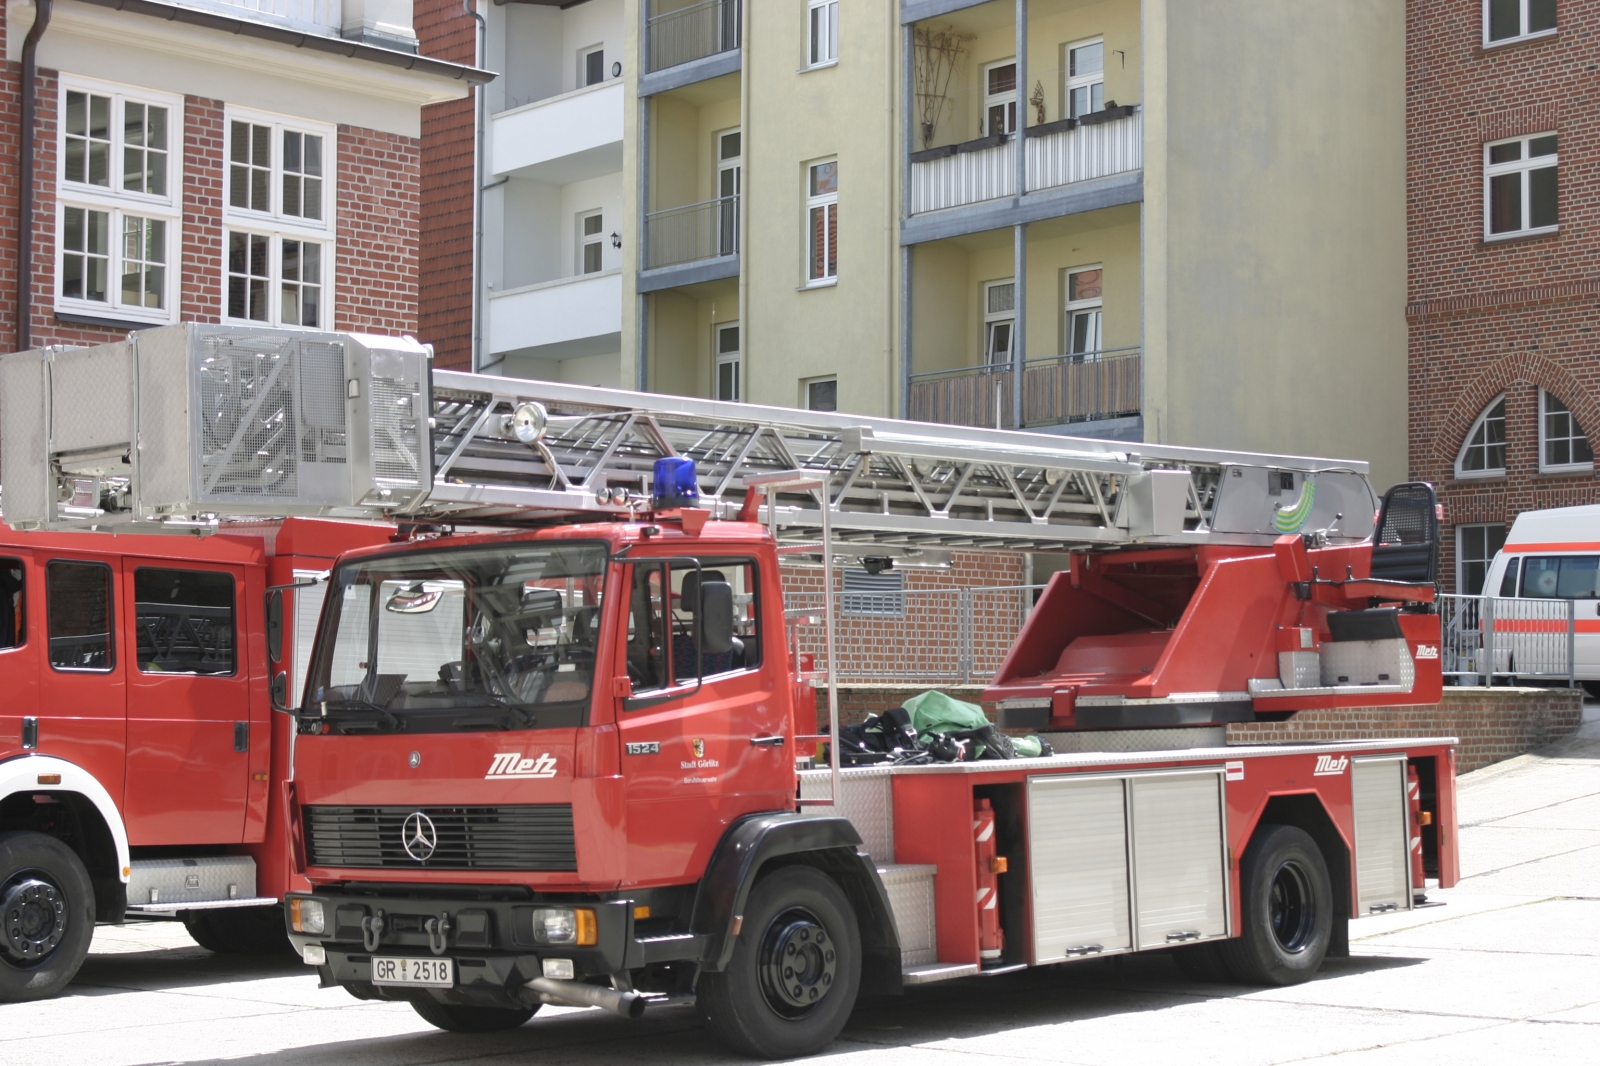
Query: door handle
x,y
767,742
241,736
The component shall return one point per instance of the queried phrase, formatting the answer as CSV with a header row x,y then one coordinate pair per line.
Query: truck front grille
x,y
523,837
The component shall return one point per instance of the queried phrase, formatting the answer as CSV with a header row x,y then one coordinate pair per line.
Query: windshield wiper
x,y
524,718
519,717
357,703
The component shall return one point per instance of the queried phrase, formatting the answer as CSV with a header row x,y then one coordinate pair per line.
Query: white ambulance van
x,y
1555,555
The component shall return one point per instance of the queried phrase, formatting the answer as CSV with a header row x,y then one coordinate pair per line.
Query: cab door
x,y
702,737
189,732
82,690
20,639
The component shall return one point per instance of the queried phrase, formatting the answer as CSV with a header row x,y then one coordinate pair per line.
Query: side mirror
x,y
279,689
275,625
716,617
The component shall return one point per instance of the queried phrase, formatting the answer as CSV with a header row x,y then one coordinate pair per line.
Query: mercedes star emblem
x,y
418,836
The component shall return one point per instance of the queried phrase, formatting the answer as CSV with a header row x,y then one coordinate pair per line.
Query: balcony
x,y
1060,390
689,33
561,139
1057,154
691,244
558,319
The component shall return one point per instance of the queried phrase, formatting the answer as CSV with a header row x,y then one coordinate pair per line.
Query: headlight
x,y
306,916
563,925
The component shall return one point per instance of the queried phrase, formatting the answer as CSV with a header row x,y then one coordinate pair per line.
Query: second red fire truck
x,y
568,760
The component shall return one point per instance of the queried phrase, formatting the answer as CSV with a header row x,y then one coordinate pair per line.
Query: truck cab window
x,y
78,596
13,607
184,621
658,622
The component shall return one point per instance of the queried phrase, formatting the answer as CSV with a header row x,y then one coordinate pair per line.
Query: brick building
x,y
1504,220
212,161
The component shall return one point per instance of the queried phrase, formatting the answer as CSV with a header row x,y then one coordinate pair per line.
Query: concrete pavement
x,y
1507,969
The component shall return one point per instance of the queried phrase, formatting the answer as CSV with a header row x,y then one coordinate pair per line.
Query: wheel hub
x,y
34,914
798,962
1293,908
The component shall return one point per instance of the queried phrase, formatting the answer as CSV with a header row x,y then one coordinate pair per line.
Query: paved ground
x,y
1508,969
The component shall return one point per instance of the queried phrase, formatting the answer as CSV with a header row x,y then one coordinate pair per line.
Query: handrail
x,y
690,207
680,12
1003,368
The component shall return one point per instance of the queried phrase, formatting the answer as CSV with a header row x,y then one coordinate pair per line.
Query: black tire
x,y
454,1018
46,916
796,919
1288,910
1203,963
1592,689
258,931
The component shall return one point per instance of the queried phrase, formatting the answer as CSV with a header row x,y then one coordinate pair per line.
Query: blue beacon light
x,y
674,483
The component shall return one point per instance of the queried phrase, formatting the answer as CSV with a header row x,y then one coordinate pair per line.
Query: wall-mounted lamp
x,y
616,70
616,240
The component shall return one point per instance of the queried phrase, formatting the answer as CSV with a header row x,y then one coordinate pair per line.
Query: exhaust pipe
x,y
560,993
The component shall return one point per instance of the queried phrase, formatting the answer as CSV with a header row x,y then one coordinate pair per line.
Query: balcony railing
x,y
1057,154
694,231
1061,389
693,32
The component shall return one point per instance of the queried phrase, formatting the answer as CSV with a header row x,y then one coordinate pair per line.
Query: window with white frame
x,y
118,218
591,241
1514,20
1086,78
1483,453
1000,97
822,32
1562,444
1475,550
1083,310
821,394
728,361
999,321
1520,186
278,220
591,66
822,221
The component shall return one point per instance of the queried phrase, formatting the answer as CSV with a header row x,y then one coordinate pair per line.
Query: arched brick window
x,y
1483,452
1563,446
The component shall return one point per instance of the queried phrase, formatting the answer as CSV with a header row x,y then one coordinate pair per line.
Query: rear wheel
x,y
240,930
46,916
455,1018
795,971
1288,910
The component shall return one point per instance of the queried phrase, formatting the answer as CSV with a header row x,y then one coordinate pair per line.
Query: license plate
x,y
431,973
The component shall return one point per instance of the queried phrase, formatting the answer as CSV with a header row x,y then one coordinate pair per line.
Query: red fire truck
x,y
555,743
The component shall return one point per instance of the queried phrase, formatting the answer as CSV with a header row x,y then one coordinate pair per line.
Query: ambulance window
x,y
647,633
1508,583
184,621
1561,577
13,608
78,596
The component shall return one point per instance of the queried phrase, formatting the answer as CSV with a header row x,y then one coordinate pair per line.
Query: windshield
x,y
462,638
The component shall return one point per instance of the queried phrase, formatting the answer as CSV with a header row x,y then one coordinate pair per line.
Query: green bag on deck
x,y
934,712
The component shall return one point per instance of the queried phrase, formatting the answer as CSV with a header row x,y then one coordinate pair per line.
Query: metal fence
x,y
692,32
1055,390
1489,637
694,231
953,636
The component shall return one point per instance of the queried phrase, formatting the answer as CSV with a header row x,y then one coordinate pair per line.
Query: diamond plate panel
x,y
910,890
180,881
1368,662
866,798
1138,739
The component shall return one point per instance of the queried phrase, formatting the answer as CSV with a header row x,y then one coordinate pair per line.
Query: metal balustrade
x,y
694,231
1489,637
688,33
1056,390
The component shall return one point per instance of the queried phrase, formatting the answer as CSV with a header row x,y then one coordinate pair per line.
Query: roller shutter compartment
x,y
1180,887
1078,865
1378,797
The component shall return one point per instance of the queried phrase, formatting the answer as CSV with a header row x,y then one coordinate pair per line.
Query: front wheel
x,y
46,916
1288,910
455,1018
795,971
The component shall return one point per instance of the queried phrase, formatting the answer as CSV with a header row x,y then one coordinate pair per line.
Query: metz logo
x,y
512,764
1328,765
1427,651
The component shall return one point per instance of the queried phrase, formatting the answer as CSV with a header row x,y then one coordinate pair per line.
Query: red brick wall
x,y
204,141
1512,317
1492,724
378,218
444,31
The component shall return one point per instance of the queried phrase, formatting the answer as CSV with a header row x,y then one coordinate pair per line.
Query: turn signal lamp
x,y
306,916
563,925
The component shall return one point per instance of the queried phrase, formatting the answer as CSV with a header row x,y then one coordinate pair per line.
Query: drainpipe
x,y
477,191
30,104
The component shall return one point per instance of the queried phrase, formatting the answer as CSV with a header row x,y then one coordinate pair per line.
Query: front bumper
x,y
491,942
